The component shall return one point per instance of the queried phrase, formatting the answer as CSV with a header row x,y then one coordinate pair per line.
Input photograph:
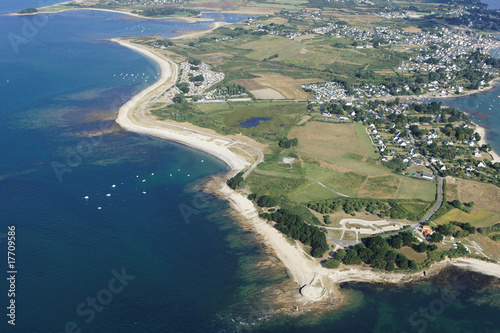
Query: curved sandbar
x,y
131,115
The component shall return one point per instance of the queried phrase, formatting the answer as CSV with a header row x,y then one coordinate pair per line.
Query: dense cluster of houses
x,y
196,88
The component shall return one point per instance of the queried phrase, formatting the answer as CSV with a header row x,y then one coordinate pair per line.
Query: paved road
x,y
439,189
439,200
373,224
260,159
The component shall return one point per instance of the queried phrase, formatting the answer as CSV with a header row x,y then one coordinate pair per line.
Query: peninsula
x,y
239,154
339,159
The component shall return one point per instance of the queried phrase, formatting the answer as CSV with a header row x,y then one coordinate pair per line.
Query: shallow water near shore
x,y
190,267
453,301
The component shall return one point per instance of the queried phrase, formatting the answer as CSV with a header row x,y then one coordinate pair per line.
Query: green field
x,y
310,191
365,142
323,183
370,169
412,188
351,180
284,115
477,217
225,118
272,185
415,207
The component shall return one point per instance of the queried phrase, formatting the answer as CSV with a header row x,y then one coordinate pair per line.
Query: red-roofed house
x,y
426,230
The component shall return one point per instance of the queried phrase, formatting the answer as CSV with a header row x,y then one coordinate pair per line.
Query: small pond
x,y
253,122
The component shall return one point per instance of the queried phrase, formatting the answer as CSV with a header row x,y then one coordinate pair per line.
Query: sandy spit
x,y
131,115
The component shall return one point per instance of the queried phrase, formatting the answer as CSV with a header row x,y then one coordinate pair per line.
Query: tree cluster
x,y
292,225
166,11
197,78
183,87
379,253
397,164
449,229
236,182
288,143
231,90
458,132
28,11
332,107
266,201
487,230
381,207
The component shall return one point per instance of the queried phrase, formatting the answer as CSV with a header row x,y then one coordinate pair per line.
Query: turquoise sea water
x,y
190,268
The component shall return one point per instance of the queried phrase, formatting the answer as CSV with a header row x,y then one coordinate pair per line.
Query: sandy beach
x,y
131,116
195,34
482,132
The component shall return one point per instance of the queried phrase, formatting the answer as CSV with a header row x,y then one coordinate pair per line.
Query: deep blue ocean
x,y
147,251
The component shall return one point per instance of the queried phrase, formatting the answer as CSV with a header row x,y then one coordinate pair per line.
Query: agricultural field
x,y
477,217
485,197
285,85
267,93
330,141
330,160
416,188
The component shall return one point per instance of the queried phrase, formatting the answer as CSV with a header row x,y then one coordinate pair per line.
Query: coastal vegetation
x,y
225,118
294,226
380,253
236,182
167,11
28,11
383,208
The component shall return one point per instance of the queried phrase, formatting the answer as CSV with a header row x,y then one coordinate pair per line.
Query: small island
x,y
28,11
